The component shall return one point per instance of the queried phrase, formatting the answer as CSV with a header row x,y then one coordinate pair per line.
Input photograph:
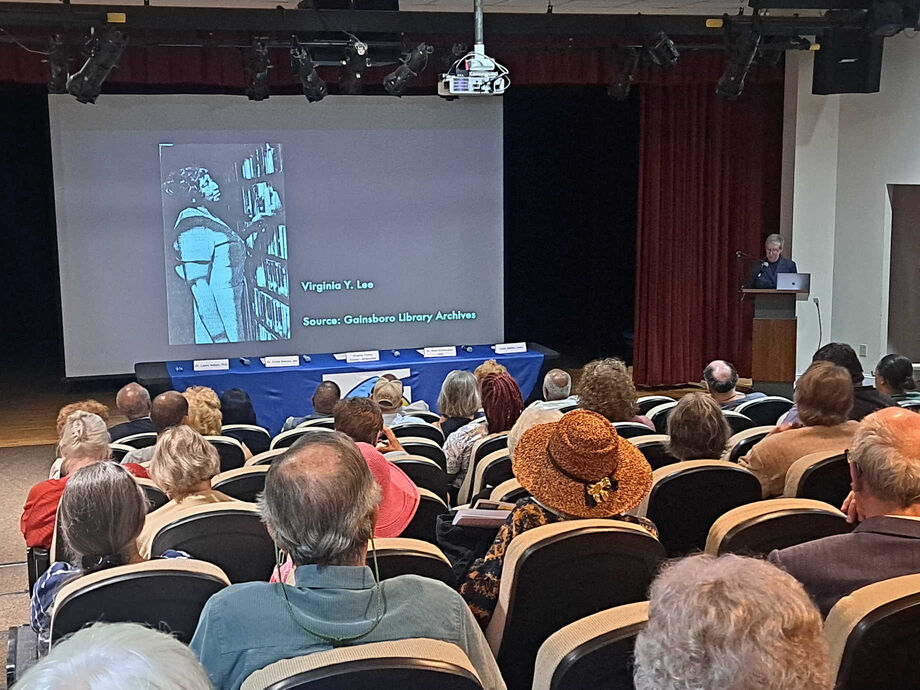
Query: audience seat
x,y
601,564
286,439
687,497
509,491
230,451
143,440
491,471
821,476
166,594
411,664
632,429
156,498
910,405
403,556
425,473
256,438
426,415
429,431
38,560
318,423
765,411
266,458
758,528
655,449
659,414
416,445
872,636
229,535
740,444
594,653
243,483
737,421
424,523
483,447
117,451
647,402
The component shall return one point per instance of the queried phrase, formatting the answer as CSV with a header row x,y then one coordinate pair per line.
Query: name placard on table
x,y
281,361
211,364
363,356
510,348
441,351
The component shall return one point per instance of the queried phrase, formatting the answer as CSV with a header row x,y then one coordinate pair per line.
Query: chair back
x,y
687,497
765,411
424,473
429,431
266,458
412,664
155,496
416,445
655,449
659,414
632,429
740,444
594,653
605,563
872,636
243,483
428,416
38,560
256,438
318,423
142,440
737,421
230,451
509,491
424,523
910,405
647,402
481,448
758,528
286,439
166,594
402,556
229,535
820,476
118,451
491,471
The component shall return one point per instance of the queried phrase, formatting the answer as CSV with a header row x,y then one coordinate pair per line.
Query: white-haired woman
x,y
458,401
182,466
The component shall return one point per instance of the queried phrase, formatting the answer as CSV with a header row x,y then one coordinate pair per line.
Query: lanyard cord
x,y
332,639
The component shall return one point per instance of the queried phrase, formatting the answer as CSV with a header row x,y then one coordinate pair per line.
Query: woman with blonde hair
x,y
182,466
204,413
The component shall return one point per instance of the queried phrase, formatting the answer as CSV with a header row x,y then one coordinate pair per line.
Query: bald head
x,y
325,397
133,401
720,376
885,452
168,409
557,385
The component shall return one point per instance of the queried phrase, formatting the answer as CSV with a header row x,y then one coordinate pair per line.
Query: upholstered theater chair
x,y
166,594
485,447
229,450
229,535
509,491
416,445
631,429
648,402
400,556
737,421
424,523
154,494
688,497
286,439
117,451
430,417
243,483
318,423
765,411
556,574
429,431
412,664
758,528
256,438
424,473
143,440
594,653
821,476
659,414
740,444
265,458
491,471
655,449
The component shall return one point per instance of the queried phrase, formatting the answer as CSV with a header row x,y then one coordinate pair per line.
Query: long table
x,y
278,393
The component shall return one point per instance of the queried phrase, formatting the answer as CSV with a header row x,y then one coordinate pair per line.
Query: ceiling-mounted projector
x,y
475,74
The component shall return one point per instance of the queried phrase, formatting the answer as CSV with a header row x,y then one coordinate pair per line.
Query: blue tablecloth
x,y
279,393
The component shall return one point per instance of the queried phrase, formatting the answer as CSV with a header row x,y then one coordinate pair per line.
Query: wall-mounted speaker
x,y
849,61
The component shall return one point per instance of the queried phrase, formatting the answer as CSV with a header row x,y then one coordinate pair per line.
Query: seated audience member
x,y
885,470
182,466
115,656
168,409
697,429
894,377
320,504
133,401
530,417
92,406
577,467
607,388
101,514
490,366
503,404
84,441
388,394
236,407
824,395
721,378
730,623
360,419
458,401
557,388
204,413
326,395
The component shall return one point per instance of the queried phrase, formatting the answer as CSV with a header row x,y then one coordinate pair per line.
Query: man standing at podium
x,y
763,275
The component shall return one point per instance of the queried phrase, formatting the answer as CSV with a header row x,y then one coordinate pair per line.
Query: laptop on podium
x,y
799,282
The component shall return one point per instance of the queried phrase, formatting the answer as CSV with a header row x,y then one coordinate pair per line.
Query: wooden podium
x,y
773,351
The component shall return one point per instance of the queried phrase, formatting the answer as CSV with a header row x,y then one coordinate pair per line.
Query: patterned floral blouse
x,y
480,586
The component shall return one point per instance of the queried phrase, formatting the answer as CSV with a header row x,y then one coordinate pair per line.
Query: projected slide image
x,y
226,245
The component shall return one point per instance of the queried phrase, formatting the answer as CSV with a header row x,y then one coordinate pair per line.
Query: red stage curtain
x,y
709,174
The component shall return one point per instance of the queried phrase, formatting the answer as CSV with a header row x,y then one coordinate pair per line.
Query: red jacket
x,y
37,521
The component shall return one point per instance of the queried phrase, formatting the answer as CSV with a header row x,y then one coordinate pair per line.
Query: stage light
x,y
104,52
662,50
355,62
395,82
57,65
302,65
620,88
257,65
731,83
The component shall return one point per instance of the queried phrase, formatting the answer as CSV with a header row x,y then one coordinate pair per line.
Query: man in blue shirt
x,y
763,275
320,505
721,378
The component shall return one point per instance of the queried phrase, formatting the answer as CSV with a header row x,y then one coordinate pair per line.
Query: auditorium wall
x,y
848,150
